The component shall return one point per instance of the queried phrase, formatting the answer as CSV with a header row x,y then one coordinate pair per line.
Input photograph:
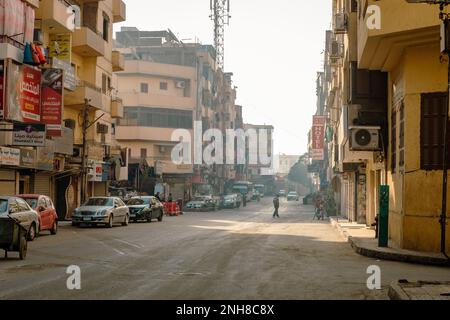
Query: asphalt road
x,y
231,254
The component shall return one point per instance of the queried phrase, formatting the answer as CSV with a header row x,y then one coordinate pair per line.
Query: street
x,y
229,254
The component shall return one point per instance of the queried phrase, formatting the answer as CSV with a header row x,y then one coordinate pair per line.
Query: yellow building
x,y
389,68
78,35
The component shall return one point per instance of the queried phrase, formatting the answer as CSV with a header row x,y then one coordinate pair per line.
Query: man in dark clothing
x,y
276,204
158,196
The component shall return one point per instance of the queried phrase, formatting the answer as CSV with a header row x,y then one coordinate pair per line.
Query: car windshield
x,y
139,201
99,202
229,197
32,203
3,205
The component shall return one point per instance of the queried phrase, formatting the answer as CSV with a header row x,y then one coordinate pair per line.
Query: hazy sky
x,y
272,47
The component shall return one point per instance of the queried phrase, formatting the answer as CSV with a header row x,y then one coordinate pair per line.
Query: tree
x,y
299,173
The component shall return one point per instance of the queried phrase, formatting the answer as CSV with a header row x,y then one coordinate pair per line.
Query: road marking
x,y
130,244
119,252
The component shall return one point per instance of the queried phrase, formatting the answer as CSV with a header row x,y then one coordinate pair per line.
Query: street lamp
x,y
445,49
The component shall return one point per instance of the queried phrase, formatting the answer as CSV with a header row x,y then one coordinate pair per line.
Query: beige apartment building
x,y
76,37
169,85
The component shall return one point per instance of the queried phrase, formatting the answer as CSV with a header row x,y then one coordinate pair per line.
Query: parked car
x,y
145,208
293,196
43,205
102,210
20,210
282,193
202,203
231,201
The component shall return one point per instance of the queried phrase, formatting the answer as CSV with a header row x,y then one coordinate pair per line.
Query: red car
x,y
43,205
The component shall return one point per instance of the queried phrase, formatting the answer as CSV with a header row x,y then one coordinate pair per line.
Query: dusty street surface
x,y
231,254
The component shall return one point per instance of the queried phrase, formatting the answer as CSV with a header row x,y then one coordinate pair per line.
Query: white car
x,y
21,211
102,210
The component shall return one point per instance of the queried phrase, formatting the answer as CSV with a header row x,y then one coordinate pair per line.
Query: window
x,y
144,87
143,153
394,140
433,109
163,85
157,117
401,142
22,205
105,27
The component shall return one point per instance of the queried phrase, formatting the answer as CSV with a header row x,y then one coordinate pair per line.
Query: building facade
x,y
71,62
386,99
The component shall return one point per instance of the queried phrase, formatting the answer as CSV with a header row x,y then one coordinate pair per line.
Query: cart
x,y
13,237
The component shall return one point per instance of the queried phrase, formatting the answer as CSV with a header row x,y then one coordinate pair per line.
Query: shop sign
x,y
9,156
29,134
70,80
27,158
45,156
52,101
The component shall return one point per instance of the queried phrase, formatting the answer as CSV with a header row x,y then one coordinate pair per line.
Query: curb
x,y
391,256
396,292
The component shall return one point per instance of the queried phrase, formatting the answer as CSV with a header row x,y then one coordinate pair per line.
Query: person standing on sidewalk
x,y
276,205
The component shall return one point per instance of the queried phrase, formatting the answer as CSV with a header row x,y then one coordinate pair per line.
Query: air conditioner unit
x,y
340,23
70,123
336,50
365,138
180,84
102,128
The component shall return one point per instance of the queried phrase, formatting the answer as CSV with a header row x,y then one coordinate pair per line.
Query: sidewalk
x,y
362,240
404,290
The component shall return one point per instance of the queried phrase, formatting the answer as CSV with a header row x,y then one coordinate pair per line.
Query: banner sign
x,y
30,94
28,134
28,158
318,138
70,80
60,46
52,101
9,156
45,156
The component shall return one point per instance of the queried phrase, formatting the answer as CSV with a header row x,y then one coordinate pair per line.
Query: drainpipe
x,y
443,219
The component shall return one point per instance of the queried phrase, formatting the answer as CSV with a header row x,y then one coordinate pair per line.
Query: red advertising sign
x,y
30,94
52,101
318,138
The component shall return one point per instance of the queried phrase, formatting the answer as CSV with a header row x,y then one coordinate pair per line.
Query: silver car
x,y
21,211
102,210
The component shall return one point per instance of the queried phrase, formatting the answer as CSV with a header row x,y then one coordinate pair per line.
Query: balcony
x,y
54,15
117,108
88,43
84,90
119,11
11,49
402,25
33,3
118,61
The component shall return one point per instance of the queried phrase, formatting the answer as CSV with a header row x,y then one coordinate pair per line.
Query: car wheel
x,y
110,222
32,232
54,229
161,215
126,222
23,248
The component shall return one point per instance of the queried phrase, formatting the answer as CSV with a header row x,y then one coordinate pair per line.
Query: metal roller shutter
x,y
42,184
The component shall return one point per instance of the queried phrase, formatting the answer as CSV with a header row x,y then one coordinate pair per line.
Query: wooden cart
x,y
13,237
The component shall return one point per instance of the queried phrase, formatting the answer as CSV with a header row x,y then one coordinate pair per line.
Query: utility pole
x,y
85,126
220,14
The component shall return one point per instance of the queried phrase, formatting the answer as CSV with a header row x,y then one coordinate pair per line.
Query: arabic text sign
x,y
52,101
9,156
29,134
30,94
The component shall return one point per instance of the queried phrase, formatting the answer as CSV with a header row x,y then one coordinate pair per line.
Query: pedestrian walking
x,y
170,197
276,205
